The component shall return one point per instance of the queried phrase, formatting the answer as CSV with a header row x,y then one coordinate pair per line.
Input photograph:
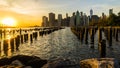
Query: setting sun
x,y
9,22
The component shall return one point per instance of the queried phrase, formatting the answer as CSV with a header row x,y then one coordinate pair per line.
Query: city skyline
x,y
33,10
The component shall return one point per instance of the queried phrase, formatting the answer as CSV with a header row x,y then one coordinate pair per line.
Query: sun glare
x,y
9,22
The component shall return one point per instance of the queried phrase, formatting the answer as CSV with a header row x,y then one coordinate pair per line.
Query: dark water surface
x,y
64,44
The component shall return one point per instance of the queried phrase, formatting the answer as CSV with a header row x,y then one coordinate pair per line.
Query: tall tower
x,y
59,19
77,18
66,15
51,19
91,13
44,21
110,11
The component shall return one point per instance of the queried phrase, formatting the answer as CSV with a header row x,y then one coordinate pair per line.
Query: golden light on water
x,y
8,21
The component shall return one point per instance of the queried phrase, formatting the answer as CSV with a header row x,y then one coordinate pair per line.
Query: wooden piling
x,y
102,48
99,34
110,36
0,33
86,35
92,36
116,36
17,42
5,47
4,33
31,38
12,45
22,40
82,34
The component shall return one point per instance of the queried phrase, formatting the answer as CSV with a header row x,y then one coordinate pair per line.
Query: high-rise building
x,y
51,19
44,21
91,13
85,20
72,20
110,11
59,19
81,19
103,16
77,18
66,15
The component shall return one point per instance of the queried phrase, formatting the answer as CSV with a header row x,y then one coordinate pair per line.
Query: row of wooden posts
x,y
110,33
27,35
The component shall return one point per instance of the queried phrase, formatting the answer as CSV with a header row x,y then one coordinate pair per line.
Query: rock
x,y
4,61
22,61
16,63
33,61
37,63
99,63
61,63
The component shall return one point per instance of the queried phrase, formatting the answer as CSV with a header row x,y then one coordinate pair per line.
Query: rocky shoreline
x,y
24,61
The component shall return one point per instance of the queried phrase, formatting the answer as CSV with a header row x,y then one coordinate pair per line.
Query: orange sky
x,y
22,19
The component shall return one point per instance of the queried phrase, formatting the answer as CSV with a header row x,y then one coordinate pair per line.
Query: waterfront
x,y
64,44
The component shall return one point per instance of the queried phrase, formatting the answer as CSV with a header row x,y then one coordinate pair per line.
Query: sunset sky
x,y
30,12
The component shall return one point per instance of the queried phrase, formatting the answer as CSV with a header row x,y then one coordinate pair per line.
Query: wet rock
x,y
99,63
22,61
61,63
33,61
4,61
36,63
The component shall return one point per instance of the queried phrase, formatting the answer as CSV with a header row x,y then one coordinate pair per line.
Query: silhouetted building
x,y
95,18
66,15
91,13
45,21
77,18
51,19
81,19
85,20
72,20
59,19
110,11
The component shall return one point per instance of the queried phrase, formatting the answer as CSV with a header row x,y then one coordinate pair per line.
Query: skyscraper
x,y
91,13
59,19
77,18
44,21
51,19
72,20
110,11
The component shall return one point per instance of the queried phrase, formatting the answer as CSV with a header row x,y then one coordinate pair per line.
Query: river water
x,y
64,44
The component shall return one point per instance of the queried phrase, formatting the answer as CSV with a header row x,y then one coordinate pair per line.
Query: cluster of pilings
x,y
110,33
21,36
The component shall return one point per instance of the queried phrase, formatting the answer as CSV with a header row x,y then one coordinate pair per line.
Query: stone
x,y
99,63
61,63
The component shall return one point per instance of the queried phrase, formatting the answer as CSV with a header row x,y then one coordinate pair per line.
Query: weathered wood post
x,y
110,36
114,31
17,42
12,45
92,36
82,34
31,38
36,35
0,33
99,34
116,36
5,47
25,37
4,33
13,32
102,48
86,35
22,39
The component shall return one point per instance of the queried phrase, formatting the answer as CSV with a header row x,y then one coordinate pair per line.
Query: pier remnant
x,y
102,48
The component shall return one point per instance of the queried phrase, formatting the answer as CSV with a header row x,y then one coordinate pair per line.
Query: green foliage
x,y
112,20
